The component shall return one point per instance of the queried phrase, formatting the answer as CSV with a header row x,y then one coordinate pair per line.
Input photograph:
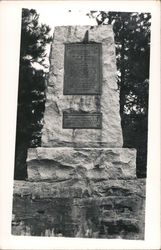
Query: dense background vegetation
x,y
31,93
132,39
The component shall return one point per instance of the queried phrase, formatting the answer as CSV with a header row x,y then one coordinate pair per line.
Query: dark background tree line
x,y
132,39
31,92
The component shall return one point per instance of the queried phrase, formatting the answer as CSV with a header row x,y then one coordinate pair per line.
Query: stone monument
x,y
84,179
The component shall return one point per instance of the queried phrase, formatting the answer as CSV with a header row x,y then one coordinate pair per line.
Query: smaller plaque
x,y
82,121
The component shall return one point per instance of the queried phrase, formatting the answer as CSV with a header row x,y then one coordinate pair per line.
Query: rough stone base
x,y
80,192
107,209
66,163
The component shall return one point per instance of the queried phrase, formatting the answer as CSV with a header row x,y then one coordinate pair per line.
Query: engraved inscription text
x,y
82,69
76,120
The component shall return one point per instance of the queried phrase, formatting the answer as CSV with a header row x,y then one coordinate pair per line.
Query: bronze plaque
x,y
80,121
82,69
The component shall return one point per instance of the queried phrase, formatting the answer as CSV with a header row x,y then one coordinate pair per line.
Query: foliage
x,y
34,38
31,94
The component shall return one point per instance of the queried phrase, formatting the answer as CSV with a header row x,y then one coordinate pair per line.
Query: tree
x,y
31,93
132,39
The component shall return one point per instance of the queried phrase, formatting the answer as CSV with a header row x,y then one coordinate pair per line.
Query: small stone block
x,y
81,163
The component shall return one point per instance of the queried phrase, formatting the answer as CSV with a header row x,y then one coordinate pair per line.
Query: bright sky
x,y
65,16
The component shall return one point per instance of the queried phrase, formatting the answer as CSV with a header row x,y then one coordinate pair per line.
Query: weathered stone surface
x,y
81,163
108,102
81,188
46,209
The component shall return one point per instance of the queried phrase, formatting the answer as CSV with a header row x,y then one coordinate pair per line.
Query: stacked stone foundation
x,y
75,209
73,192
